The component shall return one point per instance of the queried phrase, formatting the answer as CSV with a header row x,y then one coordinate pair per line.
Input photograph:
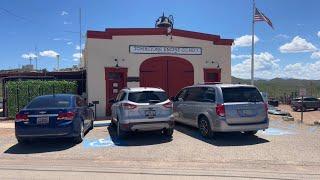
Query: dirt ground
x,y
309,117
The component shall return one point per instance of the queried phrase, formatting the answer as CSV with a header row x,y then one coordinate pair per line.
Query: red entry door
x,y
212,75
116,79
166,72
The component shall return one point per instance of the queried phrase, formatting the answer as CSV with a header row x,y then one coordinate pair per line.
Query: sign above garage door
x,y
138,49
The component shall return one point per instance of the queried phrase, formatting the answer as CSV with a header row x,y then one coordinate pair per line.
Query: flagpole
x,y
252,45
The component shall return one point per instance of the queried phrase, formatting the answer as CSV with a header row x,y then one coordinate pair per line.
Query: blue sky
x,y
52,26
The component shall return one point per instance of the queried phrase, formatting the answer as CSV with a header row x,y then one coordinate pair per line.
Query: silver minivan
x,y
221,108
142,109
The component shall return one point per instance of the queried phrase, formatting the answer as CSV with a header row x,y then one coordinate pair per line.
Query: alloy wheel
x,y
204,127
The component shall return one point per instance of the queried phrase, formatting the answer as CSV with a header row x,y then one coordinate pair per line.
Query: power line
x,y
13,14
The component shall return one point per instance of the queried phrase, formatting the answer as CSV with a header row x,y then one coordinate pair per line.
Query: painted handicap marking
x,y
313,129
276,132
101,143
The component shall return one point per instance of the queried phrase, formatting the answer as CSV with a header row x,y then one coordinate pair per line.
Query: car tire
x,y
168,132
92,125
120,133
250,133
113,124
204,128
80,136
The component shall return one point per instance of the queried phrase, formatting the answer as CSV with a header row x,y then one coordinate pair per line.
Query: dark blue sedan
x,y
52,116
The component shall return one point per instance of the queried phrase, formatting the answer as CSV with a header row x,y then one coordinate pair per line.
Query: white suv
x,y
142,109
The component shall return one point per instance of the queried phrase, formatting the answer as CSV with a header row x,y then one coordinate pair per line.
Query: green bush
x,y
20,93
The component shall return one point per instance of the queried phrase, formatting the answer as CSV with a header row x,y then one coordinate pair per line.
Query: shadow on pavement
x,y
40,146
138,138
222,139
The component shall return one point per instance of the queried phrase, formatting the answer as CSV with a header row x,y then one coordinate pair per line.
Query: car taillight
x,y
128,106
21,118
220,110
66,116
168,105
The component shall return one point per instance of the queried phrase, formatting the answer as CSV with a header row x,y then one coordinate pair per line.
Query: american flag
x,y
259,16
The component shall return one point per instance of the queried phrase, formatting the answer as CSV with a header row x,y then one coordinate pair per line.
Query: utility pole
x,y
80,51
58,63
36,57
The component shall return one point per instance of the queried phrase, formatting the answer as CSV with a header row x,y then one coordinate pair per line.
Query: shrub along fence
x,y
20,93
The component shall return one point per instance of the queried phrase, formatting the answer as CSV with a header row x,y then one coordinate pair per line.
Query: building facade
x,y
152,57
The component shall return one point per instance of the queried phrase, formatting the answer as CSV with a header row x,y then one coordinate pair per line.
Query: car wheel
x,y
204,128
168,132
92,125
80,137
112,124
316,109
250,133
120,133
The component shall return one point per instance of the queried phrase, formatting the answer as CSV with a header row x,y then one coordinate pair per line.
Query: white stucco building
x,y
129,57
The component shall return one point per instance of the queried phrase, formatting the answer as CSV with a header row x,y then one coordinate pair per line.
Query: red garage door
x,y
166,72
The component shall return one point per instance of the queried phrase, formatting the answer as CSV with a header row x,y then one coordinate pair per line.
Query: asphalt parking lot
x,y
286,150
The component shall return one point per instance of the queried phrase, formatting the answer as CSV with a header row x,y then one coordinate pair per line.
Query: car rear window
x,y
241,94
50,102
147,96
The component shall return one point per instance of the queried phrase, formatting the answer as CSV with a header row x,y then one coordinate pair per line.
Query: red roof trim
x,y
109,33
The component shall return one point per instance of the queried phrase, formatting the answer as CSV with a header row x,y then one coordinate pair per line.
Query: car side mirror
x,y
112,101
180,99
90,105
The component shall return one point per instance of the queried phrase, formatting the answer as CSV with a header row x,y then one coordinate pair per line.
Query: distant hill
x,y
279,87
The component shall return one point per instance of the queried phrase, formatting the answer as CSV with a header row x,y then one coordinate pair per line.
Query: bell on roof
x,y
164,22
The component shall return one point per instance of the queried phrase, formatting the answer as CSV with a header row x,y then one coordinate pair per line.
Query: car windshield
x,y
50,102
147,96
241,94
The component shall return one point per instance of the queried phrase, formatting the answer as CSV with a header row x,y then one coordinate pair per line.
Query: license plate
x,y
43,120
150,113
246,113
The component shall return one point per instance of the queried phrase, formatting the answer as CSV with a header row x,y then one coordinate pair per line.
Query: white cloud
x,y
302,71
315,55
266,66
69,43
29,55
284,36
318,34
78,47
66,22
297,45
245,41
49,53
61,39
76,56
63,13
241,56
